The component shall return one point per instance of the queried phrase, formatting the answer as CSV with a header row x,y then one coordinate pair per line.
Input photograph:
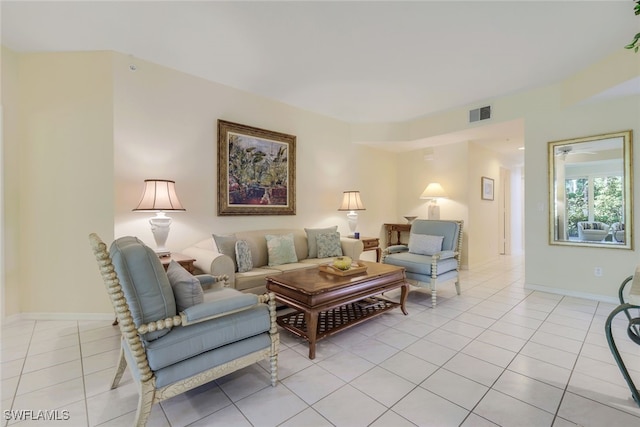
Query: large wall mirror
x,y
590,189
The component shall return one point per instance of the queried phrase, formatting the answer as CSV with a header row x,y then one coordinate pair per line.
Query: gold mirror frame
x,y
591,161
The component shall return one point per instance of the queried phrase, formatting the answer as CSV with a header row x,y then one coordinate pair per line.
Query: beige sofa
x,y
209,260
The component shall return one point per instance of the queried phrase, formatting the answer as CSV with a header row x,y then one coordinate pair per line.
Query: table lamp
x,y
159,196
434,191
351,202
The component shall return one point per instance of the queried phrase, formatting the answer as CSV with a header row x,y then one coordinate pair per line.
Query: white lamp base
x,y
352,217
160,225
433,211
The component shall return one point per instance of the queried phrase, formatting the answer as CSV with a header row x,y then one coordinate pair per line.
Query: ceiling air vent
x,y
482,113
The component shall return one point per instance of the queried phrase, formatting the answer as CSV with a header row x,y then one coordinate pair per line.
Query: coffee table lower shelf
x,y
337,319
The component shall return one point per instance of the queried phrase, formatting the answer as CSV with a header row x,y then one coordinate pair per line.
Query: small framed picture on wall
x,y
486,188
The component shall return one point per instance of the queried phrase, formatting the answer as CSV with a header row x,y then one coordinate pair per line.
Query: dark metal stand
x,y
633,330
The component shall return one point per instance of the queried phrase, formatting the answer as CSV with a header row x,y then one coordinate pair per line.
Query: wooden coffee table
x,y
326,303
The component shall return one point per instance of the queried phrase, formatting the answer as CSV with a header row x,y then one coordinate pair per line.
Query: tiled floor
x,y
496,355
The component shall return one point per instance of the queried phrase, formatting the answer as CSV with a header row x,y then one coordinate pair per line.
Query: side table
x,y
185,261
396,228
372,244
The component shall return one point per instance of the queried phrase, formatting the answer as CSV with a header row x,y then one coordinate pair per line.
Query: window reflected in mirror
x,y
591,191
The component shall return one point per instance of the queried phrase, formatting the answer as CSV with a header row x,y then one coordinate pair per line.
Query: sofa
x,y
216,255
592,231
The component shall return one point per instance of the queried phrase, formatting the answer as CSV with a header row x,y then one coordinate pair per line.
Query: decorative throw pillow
x,y
425,244
243,256
186,288
227,246
312,234
329,245
281,249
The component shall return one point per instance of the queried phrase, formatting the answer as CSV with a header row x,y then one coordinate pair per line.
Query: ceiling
x,y
358,61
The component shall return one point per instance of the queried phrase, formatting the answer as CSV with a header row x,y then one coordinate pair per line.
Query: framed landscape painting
x,y
256,171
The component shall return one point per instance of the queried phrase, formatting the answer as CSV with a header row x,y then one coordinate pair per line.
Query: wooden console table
x,y
398,229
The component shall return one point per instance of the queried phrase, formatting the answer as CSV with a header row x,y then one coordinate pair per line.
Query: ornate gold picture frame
x,y
256,171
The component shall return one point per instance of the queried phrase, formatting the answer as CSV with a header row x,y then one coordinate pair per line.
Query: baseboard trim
x,y
576,294
59,316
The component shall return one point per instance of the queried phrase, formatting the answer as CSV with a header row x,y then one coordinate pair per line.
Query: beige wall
x,y
165,127
449,167
89,131
9,269
65,181
571,269
483,214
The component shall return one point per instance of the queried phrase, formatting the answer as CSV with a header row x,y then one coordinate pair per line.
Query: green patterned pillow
x,y
243,256
281,249
329,245
312,234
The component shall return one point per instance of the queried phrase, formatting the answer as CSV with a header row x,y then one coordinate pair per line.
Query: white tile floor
x,y
496,355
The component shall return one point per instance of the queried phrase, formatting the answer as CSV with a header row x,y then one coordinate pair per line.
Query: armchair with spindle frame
x,y
170,352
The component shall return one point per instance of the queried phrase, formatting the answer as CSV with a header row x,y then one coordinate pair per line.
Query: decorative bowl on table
x,y
410,219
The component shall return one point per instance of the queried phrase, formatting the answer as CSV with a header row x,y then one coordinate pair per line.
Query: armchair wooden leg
x,y
275,339
122,365
147,393
274,369
433,293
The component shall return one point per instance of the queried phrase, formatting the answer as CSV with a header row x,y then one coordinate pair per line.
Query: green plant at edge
x,y
635,44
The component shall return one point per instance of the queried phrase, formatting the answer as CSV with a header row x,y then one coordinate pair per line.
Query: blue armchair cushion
x,y
329,245
425,244
449,229
421,264
220,301
186,288
312,242
184,342
144,283
199,363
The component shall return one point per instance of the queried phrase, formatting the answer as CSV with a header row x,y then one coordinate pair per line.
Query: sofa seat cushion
x,y
254,278
182,343
294,266
318,261
420,264
194,365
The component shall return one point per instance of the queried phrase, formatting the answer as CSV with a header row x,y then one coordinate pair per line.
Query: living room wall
x,y
570,269
89,131
62,150
165,126
10,184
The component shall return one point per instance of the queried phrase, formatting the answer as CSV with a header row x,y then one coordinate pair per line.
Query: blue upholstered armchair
x,y
175,337
432,256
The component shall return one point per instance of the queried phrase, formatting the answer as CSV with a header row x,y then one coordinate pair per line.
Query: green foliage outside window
x,y
607,201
